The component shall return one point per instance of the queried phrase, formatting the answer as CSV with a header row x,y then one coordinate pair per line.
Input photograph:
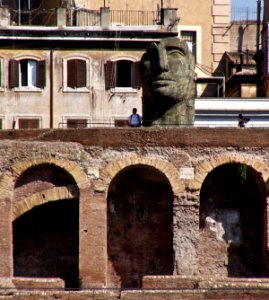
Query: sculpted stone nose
x,y
162,59
158,53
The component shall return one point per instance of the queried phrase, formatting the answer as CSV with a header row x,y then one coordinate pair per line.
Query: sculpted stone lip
x,y
163,82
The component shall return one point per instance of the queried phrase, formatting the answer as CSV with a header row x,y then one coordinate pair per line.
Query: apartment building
x,y
75,64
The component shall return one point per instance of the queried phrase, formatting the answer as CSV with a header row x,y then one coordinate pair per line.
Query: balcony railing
x,y
133,17
86,17
246,14
35,17
81,17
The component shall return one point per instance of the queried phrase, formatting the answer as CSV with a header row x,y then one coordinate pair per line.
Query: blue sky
x,y
244,3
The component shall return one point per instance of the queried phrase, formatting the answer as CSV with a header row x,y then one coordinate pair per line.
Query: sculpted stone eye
x,y
175,53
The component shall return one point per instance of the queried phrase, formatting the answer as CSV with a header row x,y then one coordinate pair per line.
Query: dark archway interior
x,y
46,242
232,198
45,173
140,214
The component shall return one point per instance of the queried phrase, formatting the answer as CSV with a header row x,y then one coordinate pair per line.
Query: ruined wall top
x,y
153,137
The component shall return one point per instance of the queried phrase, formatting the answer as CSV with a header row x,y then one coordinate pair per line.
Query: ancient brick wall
x,y
127,181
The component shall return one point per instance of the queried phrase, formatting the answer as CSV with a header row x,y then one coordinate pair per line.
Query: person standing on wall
x,y
242,121
135,119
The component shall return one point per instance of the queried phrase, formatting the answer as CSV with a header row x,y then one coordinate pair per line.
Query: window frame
x,y
192,35
65,86
27,117
3,122
198,32
111,76
15,74
76,123
2,75
65,118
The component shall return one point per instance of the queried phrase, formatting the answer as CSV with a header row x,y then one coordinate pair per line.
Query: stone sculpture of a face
x,y
167,74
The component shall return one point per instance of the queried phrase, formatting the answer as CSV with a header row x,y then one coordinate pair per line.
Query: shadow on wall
x,y
46,242
140,238
232,223
45,238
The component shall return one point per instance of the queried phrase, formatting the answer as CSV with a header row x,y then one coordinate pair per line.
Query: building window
x,y
26,73
122,73
190,38
76,73
76,123
1,73
28,123
121,123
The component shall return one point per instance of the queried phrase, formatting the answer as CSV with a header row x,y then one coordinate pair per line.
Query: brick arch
x,y
70,167
53,194
210,164
168,169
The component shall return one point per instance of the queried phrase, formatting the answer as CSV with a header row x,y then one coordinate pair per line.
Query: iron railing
x,y
133,17
244,14
35,17
87,17
82,17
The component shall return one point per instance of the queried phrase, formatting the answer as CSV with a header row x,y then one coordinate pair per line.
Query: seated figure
x,y
168,82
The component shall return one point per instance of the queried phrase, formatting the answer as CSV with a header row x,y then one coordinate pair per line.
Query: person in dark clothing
x,y
242,121
135,119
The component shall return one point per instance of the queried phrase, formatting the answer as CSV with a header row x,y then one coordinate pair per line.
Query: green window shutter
x,y
13,73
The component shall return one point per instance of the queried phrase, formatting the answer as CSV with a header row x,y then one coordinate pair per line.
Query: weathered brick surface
x,y
97,165
122,137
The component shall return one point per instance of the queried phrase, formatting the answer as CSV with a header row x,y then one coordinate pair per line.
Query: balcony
x,y
86,17
78,17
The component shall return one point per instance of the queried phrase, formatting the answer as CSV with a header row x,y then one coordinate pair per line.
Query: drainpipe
x,y
258,68
51,88
19,12
258,24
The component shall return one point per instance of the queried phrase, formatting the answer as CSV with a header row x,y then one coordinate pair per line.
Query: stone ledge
x,y
196,282
38,283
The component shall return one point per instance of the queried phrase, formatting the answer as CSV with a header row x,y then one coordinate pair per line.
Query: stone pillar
x,y
4,17
93,240
105,16
186,234
221,13
6,256
61,16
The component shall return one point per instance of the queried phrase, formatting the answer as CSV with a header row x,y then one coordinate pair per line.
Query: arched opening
x,y
140,214
45,241
41,177
46,237
232,223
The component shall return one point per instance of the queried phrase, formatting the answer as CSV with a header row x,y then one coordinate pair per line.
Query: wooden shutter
x,y
1,75
28,123
80,73
13,73
71,74
110,75
136,81
41,74
76,73
76,123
